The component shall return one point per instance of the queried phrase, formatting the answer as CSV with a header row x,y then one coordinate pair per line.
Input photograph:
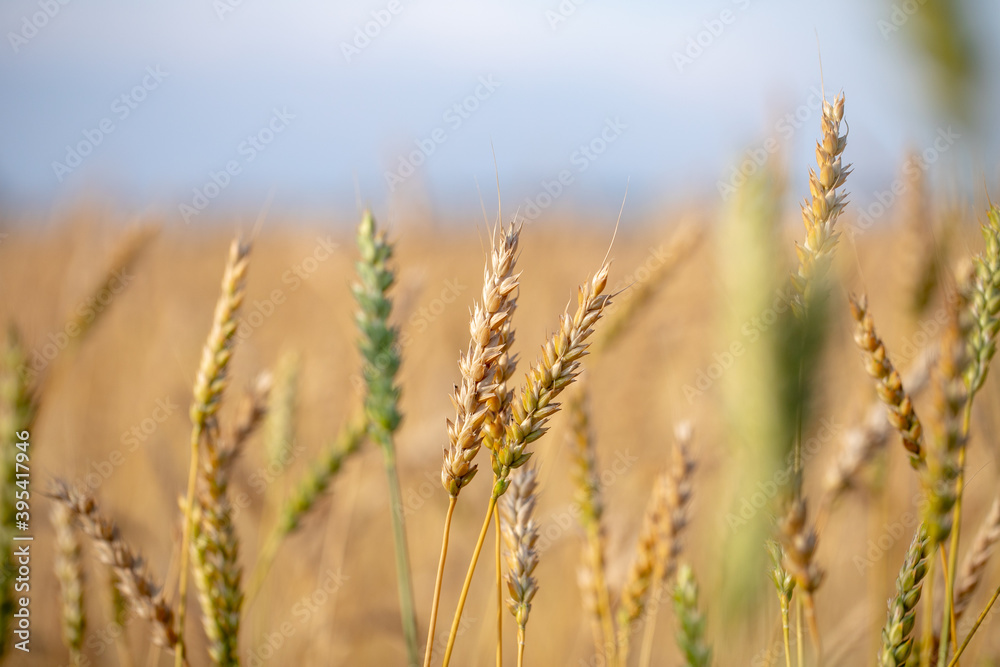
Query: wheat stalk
x,y
69,572
983,292
520,533
889,385
136,586
897,643
209,385
974,565
784,584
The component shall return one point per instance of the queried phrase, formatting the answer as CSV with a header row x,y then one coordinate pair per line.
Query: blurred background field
x,y
137,366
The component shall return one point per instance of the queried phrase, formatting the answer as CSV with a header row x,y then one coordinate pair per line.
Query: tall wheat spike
x,y
381,361
821,211
209,385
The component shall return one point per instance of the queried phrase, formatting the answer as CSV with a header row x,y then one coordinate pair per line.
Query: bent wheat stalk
x,y
136,586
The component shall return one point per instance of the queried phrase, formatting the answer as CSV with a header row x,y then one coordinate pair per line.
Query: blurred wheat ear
x,y
211,382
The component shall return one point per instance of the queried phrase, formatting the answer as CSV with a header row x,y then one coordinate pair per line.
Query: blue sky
x,y
325,113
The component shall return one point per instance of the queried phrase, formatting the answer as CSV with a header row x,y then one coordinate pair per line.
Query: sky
x,y
197,107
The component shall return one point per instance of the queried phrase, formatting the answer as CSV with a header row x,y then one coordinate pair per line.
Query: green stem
x,y
949,579
406,607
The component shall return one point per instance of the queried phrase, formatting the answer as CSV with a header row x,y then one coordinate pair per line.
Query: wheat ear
x,y
69,572
861,443
136,586
520,533
799,540
888,383
641,572
672,524
556,370
214,543
481,399
820,212
690,621
279,429
587,481
897,643
209,385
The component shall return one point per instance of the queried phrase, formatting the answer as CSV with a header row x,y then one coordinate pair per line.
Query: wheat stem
x,y
975,627
428,651
468,582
